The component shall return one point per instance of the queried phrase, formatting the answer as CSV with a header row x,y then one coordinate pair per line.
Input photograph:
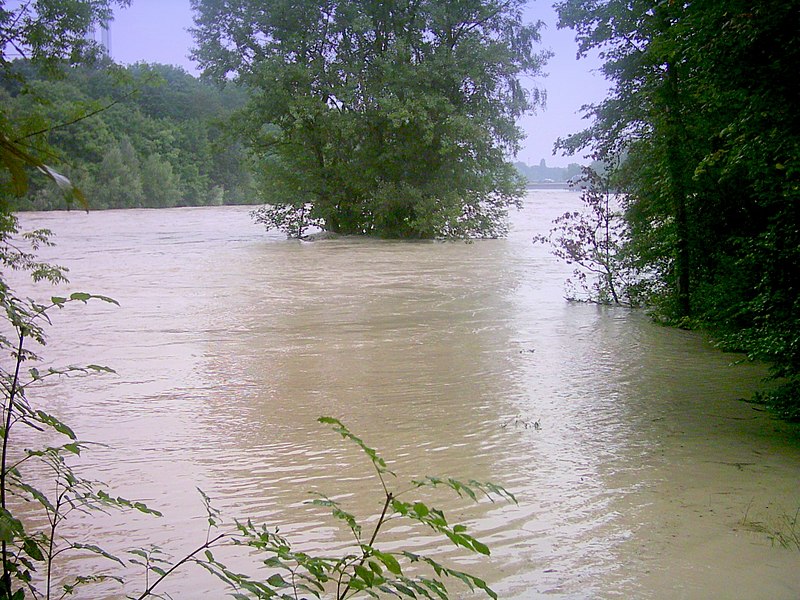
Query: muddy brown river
x,y
639,471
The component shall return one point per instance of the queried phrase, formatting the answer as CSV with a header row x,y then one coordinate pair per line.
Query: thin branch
x,y
22,10
381,521
3,458
75,120
181,562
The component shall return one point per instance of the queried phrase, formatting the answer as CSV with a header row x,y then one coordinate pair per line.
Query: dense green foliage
x,y
385,118
52,33
144,136
703,112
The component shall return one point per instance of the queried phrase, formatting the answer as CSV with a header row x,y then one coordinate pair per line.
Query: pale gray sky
x,y
156,31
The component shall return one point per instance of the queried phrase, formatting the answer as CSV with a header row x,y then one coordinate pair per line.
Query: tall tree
x,y
160,186
118,183
391,118
647,116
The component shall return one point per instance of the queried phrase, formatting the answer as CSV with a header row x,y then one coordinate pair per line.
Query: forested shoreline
x,y
129,137
147,136
700,135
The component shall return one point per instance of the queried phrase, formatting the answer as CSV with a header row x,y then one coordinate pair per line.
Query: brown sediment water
x,y
639,470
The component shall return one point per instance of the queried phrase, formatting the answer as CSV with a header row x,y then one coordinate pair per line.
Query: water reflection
x,y
230,343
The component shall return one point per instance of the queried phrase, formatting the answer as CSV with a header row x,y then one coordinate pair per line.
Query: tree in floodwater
x,y
594,241
385,118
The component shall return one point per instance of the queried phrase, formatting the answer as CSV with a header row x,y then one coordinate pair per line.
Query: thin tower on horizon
x,y
104,31
105,38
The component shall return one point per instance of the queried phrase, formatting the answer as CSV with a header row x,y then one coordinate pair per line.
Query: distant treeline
x,y
148,135
543,173
141,136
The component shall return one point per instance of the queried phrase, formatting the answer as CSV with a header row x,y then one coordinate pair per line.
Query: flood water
x,y
647,477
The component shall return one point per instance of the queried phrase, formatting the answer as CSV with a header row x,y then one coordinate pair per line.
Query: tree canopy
x,y
386,118
50,33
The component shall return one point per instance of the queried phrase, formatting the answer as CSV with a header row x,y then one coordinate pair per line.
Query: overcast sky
x,y
157,31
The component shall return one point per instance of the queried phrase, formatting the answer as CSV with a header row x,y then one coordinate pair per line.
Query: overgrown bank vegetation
x,y
701,135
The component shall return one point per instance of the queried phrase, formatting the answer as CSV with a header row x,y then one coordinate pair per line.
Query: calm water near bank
x,y
648,476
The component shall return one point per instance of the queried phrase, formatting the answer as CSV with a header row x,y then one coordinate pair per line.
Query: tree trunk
x,y
676,175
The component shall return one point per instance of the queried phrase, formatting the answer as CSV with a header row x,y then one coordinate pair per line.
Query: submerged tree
x,y
594,241
387,118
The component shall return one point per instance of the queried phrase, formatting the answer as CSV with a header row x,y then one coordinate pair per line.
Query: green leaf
x,y
406,591
277,581
74,448
338,513
421,509
274,562
498,490
389,561
31,548
122,502
480,583
437,587
338,427
366,575
100,552
105,299
53,422
480,548
37,495
84,297
101,368
400,507
460,487
417,588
